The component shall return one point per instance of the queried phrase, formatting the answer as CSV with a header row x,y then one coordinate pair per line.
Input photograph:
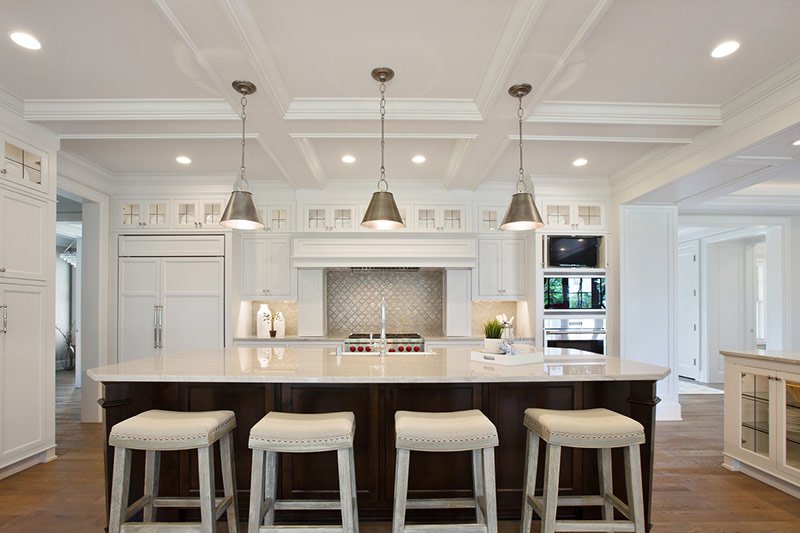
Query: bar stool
x,y
157,431
589,428
301,433
447,432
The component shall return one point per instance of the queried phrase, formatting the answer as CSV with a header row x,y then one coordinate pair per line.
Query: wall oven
x,y
587,334
574,293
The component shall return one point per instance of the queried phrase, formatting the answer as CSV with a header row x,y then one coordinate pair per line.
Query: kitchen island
x,y
254,381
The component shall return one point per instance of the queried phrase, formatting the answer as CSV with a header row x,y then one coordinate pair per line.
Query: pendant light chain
x,y
243,184
383,185
521,187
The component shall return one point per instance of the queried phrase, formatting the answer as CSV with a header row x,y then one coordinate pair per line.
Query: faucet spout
x,y
383,319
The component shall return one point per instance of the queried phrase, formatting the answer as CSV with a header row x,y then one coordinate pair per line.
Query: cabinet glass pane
x,y
589,215
452,219
316,219
792,423
426,219
557,215
488,220
130,214
755,413
212,213
157,214
186,214
342,218
21,164
279,219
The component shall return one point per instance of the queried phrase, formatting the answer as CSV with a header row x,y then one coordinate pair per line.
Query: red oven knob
x,y
400,348
352,348
368,349
408,348
416,348
391,349
360,348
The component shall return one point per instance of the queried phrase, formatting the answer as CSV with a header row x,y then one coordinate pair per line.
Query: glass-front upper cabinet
x,y
439,218
489,218
330,218
186,215
755,411
143,214
789,414
22,165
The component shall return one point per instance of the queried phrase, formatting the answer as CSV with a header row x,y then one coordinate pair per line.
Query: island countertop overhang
x,y
320,365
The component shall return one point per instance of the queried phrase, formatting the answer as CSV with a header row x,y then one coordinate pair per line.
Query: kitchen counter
x,y
775,356
292,339
253,381
321,365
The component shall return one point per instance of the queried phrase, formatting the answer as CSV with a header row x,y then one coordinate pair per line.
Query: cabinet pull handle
x,y
160,326
155,326
5,318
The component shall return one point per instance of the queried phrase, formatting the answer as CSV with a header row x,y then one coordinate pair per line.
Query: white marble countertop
x,y
336,340
320,365
776,356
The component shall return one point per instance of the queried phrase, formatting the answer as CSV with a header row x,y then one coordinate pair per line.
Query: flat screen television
x,y
573,251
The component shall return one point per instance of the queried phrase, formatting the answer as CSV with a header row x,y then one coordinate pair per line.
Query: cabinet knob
x,y
4,171
2,269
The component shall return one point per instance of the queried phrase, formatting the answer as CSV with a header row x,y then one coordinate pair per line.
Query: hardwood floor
x,y
692,493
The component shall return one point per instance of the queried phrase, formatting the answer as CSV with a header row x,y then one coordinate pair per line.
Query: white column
x,y
647,285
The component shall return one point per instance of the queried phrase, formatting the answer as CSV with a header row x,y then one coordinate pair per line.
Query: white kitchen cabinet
x,y
489,218
198,214
24,222
23,165
329,218
573,214
762,421
449,218
276,218
267,271
170,304
404,209
501,269
143,214
27,373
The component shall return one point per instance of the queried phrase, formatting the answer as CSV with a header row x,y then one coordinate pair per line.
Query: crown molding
x,y
607,139
11,102
312,160
244,23
396,109
457,158
129,109
72,167
262,142
154,136
374,135
514,35
762,89
626,113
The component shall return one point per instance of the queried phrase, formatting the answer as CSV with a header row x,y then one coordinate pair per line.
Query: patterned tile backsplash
x,y
413,301
289,310
484,311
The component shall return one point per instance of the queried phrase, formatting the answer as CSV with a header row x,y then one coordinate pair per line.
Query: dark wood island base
x,y
374,405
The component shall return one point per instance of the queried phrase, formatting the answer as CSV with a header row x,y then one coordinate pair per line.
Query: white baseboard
x,y
668,411
44,456
765,477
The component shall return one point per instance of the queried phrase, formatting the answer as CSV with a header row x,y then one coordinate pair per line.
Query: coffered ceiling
x,y
627,84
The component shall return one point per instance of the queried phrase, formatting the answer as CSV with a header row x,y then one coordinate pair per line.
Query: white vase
x,y
263,321
492,345
279,325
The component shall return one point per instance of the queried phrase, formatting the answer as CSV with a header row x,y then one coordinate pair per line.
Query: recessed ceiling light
x,y
724,49
183,160
418,159
347,158
26,40
796,143
580,162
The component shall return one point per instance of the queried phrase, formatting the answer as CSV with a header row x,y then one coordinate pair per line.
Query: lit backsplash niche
x,y
413,301
289,310
486,310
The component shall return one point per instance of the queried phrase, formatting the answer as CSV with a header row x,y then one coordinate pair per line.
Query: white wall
x,y
648,255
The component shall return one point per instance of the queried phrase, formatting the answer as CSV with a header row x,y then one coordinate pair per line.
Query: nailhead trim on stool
x,y
156,431
589,428
301,433
447,432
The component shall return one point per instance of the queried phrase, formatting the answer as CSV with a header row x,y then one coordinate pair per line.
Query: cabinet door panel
x,y
22,253
139,279
254,268
489,267
279,268
193,299
513,267
24,371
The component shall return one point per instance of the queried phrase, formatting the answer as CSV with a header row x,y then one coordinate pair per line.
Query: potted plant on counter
x,y
492,331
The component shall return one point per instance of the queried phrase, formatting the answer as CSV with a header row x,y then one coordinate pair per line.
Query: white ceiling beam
x,y
372,135
396,109
129,109
312,160
602,139
626,113
457,157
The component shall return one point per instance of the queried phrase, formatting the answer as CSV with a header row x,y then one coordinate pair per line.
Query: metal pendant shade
x,y
521,214
241,212
382,213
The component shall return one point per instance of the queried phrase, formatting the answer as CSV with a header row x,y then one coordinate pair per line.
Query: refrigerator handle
x,y
160,326
5,318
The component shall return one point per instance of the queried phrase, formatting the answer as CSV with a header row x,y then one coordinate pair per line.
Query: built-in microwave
x,y
574,293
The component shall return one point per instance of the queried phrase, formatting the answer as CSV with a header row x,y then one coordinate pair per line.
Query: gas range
x,y
395,342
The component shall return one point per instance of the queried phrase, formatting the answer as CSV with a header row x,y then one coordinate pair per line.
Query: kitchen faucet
x,y
383,325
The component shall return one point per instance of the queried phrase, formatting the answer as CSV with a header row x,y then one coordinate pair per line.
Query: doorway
x,y
688,323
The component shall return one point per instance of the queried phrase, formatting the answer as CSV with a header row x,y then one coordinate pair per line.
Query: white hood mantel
x,y
389,251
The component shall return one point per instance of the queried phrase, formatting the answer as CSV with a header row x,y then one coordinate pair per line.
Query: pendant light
x,y
241,212
382,212
521,214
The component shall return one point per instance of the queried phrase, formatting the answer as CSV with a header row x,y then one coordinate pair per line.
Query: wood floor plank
x,y
692,493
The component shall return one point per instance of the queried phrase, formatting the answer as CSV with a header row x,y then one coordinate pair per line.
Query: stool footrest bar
x,y
580,525
307,504
441,503
439,528
300,529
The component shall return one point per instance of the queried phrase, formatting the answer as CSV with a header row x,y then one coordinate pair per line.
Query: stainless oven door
x,y
588,341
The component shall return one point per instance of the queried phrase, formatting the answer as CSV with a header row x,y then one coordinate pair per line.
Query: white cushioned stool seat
x,y
587,428
444,432
303,432
170,430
